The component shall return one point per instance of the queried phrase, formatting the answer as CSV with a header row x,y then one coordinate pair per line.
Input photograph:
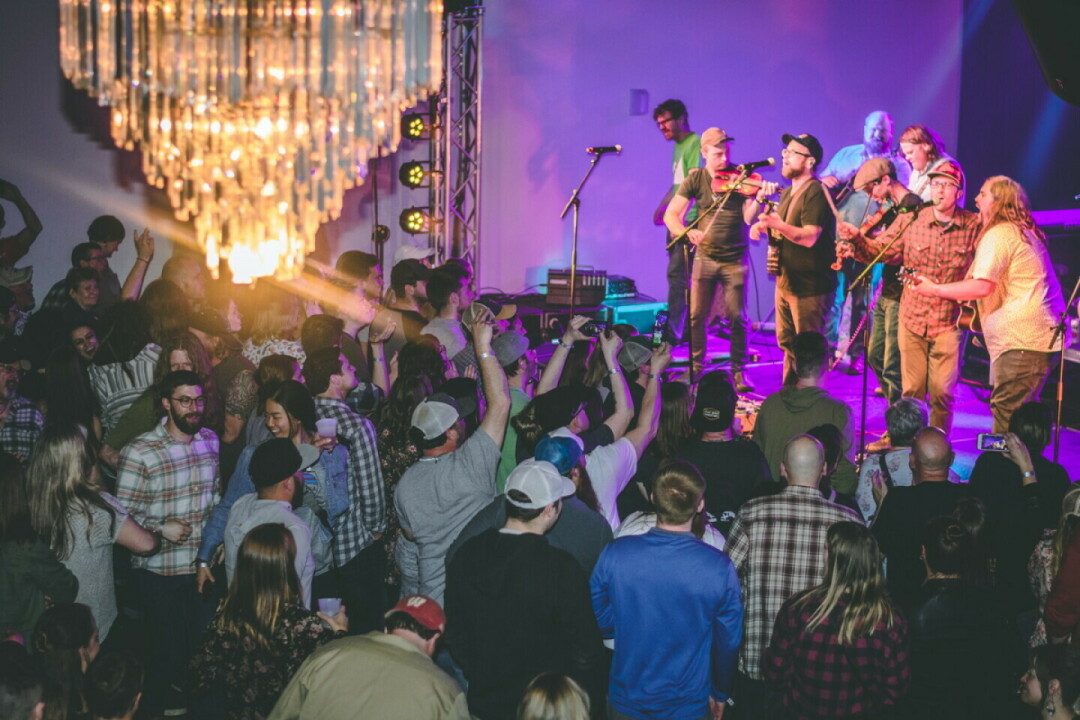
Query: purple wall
x,y
557,78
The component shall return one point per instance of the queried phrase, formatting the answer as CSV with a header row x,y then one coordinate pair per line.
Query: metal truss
x,y
456,147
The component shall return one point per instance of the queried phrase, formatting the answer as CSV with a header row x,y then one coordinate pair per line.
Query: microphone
x,y
916,208
617,149
747,167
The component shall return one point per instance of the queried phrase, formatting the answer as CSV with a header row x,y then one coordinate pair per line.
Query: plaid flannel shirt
x,y
824,679
356,529
22,428
159,479
778,546
941,253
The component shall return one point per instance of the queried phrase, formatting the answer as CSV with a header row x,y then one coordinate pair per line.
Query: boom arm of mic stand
x,y
877,258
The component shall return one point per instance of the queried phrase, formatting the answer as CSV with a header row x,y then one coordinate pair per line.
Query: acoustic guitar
x,y
969,317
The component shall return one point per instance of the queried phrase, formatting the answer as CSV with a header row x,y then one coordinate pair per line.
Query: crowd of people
x,y
260,504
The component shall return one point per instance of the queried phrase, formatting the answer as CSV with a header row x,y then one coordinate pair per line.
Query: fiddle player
x,y
854,206
1018,296
806,222
877,178
937,244
720,239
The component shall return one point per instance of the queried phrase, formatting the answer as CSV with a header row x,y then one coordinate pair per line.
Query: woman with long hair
x,y
289,412
274,328
180,351
70,508
271,372
262,632
1052,682
65,641
397,453
843,634
673,433
554,696
1045,562
30,574
1017,294
69,399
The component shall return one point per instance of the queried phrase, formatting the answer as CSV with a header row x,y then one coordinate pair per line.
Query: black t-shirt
x,y
805,271
725,240
732,469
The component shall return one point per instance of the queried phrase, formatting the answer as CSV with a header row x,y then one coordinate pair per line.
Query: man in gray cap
x,y
802,232
519,606
455,478
518,361
275,471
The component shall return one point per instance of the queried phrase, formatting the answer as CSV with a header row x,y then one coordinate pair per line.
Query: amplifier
x,y
619,286
591,286
639,311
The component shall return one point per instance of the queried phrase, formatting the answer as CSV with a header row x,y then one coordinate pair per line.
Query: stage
x,y
972,402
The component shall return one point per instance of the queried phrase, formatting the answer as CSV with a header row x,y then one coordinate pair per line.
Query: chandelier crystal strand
x,y
254,116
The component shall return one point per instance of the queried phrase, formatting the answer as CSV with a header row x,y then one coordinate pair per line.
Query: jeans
x,y
932,365
1019,376
884,353
678,275
360,582
846,275
793,316
175,616
732,279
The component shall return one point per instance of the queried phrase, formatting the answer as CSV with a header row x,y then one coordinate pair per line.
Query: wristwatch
x,y
200,563
1029,473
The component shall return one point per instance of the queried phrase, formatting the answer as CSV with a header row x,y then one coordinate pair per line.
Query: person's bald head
x,y
931,452
804,461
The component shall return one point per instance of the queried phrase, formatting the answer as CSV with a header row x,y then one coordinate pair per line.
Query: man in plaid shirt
x,y
22,421
171,473
940,244
777,544
358,555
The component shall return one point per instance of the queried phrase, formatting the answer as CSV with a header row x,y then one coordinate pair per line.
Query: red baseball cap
x,y
422,609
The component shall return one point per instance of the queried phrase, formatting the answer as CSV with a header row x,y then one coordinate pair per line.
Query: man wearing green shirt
x,y
672,120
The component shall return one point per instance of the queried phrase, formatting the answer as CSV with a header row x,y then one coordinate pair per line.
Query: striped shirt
x,y
778,546
21,430
356,528
160,478
118,385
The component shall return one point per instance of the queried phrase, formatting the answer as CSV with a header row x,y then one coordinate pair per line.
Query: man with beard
x,y
854,205
805,227
408,280
720,238
275,471
171,472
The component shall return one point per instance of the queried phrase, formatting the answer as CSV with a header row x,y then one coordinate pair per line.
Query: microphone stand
x,y
1059,330
864,277
718,204
575,203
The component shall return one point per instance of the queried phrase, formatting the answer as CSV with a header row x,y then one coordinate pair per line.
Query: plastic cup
x,y
326,427
330,606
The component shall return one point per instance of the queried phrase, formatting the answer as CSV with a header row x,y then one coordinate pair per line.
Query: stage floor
x,y
972,403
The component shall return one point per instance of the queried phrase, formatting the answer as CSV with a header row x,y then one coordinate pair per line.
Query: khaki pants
x,y
793,316
1019,376
932,365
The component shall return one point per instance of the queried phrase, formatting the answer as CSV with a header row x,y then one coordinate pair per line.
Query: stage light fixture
x,y
416,220
415,126
414,174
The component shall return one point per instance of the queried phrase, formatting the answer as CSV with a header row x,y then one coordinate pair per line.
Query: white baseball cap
x,y
435,415
540,482
411,252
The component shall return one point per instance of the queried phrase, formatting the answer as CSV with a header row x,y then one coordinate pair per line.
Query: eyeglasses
x,y
664,121
788,151
9,369
187,402
941,184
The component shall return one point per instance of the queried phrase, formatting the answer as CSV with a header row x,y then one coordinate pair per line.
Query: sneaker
x,y
742,384
855,367
881,445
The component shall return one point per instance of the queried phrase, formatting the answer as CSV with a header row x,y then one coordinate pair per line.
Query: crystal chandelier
x,y
254,116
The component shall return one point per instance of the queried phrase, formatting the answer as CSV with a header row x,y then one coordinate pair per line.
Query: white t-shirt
x,y
610,468
639,523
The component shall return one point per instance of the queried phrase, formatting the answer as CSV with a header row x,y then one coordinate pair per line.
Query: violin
x,y
880,218
726,180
